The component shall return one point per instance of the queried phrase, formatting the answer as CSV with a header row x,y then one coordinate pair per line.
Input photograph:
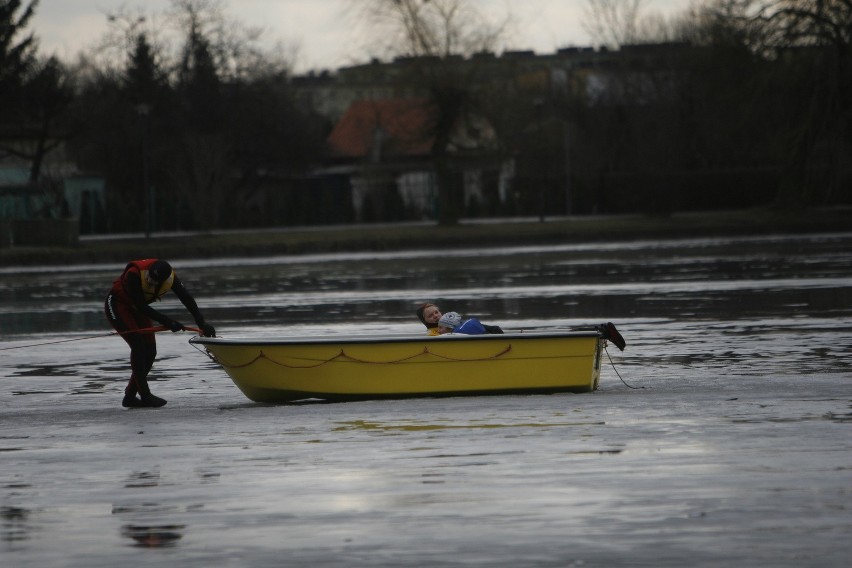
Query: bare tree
x,y
434,33
613,23
812,39
430,27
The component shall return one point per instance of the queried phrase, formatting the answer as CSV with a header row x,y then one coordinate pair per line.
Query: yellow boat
x,y
361,368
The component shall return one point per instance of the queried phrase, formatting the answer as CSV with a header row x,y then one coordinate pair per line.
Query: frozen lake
x,y
731,449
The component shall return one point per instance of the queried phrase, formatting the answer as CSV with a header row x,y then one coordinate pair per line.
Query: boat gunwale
x,y
355,340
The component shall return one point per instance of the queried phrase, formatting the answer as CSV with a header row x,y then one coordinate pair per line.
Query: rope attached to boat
x,y
616,370
144,330
343,355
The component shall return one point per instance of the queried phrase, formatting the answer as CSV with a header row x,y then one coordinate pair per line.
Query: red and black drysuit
x,y
127,309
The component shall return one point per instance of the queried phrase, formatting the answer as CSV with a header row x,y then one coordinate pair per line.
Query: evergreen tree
x,y
34,94
144,81
16,57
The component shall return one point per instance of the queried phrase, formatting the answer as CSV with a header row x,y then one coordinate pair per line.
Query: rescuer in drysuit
x,y
128,311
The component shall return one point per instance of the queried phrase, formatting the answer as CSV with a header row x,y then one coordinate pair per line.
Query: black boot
x,y
149,400
130,401
608,332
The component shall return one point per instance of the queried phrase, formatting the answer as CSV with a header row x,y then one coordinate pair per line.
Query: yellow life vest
x,y
155,292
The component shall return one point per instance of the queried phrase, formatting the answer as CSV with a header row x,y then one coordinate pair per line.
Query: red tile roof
x,y
404,123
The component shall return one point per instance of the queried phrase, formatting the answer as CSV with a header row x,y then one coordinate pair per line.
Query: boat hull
x,y
354,368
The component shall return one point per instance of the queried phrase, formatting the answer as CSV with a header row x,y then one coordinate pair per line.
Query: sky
x,y
319,34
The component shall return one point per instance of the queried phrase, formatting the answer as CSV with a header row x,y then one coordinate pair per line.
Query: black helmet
x,y
160,271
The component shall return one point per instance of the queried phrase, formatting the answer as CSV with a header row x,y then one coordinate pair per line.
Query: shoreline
x,y
419,235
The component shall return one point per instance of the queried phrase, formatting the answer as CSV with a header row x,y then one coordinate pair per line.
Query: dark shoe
x,y
130,401
608,332
149,400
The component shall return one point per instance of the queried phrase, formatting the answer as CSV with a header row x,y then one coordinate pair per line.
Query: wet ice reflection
x,y
153,537
684,279
15,523
735,452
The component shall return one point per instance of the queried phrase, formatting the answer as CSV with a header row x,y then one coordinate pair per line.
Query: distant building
x,y
385,148
330,93
375,139
54,210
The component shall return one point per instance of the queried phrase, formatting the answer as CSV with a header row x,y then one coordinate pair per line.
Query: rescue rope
x,y
344,355
616,370
154,329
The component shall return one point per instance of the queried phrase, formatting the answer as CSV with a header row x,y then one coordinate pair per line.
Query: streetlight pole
x,y
541,159
144,111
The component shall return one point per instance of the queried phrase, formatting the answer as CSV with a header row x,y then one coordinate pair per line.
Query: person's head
x,y
448,322
159,271
429,314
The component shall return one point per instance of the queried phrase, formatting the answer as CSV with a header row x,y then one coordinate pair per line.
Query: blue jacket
x,y
470,327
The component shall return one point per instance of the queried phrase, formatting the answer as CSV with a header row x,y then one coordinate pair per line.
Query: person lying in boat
x,y
429,314
451,322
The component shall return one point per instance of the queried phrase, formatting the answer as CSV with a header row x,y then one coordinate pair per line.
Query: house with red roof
x,y
385,147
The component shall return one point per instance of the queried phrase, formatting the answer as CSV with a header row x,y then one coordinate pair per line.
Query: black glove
x,y
174,326
207,330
